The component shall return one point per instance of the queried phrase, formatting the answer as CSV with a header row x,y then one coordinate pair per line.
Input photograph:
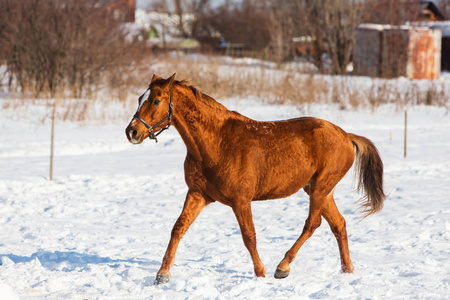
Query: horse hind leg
x,y
320,188
337,225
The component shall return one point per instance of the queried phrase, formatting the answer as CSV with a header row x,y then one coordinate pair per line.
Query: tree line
x,y
62,46
74,47
325,26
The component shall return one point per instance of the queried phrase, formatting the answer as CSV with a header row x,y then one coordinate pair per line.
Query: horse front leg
x,y
312,223
193,205
244,217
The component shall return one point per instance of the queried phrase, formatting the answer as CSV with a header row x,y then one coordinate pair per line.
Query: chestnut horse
x,y
235,160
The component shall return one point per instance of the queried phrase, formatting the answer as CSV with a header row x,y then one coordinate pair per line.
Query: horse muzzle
x,y
134,136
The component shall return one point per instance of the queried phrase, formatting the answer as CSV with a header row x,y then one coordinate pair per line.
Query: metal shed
x,y
444,27
393,51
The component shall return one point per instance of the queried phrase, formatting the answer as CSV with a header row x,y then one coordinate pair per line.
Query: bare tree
x,y
391,12
161,6
197,6
179,13
310,24
328,25
281,28
332,26
341,17
57,45
243,23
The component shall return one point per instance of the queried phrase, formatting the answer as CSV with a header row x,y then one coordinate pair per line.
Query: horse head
x,y
154,112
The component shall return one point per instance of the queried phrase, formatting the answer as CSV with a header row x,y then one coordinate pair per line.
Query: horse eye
x,y
156,102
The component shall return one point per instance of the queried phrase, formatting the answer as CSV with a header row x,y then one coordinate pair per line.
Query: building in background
x,y
444,27
434,14
430,11
392,51
123,10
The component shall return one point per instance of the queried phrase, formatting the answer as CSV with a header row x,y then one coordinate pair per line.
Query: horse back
x,y
268,160
288,154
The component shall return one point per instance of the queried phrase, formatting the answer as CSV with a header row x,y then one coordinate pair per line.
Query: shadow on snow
x,y
70,260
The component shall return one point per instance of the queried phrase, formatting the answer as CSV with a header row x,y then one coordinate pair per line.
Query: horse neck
x,y
197,123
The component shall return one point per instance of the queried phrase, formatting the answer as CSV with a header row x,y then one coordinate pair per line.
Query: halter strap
x,y
169,116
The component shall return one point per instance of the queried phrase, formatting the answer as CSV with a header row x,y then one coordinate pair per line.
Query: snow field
x,y
100,229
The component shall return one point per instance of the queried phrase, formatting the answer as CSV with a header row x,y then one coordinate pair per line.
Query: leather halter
x,y
169,116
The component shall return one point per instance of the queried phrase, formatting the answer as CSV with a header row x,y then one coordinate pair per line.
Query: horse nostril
x,y
133,133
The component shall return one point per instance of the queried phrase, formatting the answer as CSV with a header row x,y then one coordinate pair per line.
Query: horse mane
x,y
208,100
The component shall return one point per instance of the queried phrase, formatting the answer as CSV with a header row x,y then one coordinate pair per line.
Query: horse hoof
x,y
280,274
162,279
347,268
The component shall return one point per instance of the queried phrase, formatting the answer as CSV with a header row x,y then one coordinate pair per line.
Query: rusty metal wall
x,y
444,26
424,61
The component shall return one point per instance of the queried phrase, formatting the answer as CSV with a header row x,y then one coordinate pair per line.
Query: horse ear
x,y
155,77
170,80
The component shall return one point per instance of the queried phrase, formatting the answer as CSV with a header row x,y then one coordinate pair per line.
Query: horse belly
x,y
281,183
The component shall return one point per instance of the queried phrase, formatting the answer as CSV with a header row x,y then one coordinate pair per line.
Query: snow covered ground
x,y
100,229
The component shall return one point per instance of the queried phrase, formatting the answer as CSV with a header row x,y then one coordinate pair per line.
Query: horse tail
x,y
369,171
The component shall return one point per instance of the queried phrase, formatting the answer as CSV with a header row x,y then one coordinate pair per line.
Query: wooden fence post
x,y
52,142
406,133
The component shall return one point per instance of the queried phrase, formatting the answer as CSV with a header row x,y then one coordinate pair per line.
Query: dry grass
x,y
225,81
288,86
